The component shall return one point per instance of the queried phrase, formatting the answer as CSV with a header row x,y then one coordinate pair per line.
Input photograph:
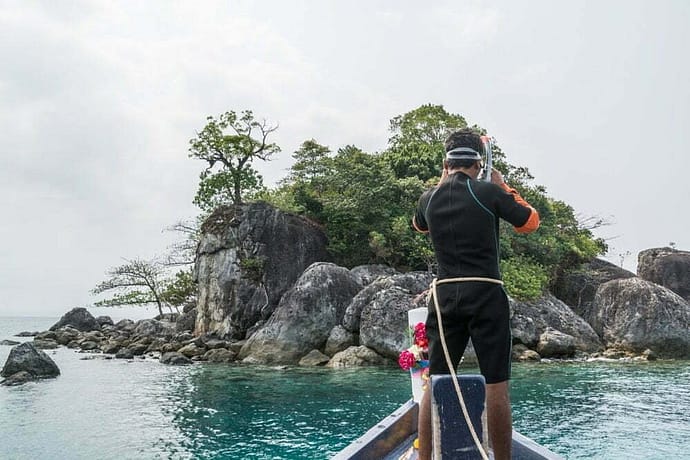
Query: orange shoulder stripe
x,y
414,224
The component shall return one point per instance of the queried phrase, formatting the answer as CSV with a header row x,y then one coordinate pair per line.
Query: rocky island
x,y
268,294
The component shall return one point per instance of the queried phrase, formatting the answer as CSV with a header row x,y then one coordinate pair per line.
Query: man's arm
x,y
517,211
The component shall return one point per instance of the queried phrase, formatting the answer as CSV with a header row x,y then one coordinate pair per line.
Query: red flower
x,y
407,360
420,338
422,342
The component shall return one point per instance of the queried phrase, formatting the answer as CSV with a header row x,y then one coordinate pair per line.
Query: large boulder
x,y
248,257
26,358
78,318
384,322
531,319
635,315
339,339
577,287
357,357
305,316
370,273
667,267
413,283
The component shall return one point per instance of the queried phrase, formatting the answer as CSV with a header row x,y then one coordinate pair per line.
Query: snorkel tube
x,y
485,174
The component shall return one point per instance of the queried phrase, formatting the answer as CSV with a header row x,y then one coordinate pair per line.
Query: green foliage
x,y
365,202
180,290
230,144
253,268
136,282
524,279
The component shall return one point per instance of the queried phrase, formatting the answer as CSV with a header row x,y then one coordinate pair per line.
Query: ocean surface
x,y
115,409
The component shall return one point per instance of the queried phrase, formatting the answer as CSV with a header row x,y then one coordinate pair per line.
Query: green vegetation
x,y
364,201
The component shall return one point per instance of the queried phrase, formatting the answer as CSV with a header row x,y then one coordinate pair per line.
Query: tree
x,y
230,144
136,282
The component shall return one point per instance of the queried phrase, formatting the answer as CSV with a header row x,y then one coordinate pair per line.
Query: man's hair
x,y
463,138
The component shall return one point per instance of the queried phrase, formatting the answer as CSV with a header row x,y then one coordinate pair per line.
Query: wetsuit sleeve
x,y
419,219
513,208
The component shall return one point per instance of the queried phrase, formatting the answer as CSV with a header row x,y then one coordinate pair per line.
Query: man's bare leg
x,y
500,420
424,426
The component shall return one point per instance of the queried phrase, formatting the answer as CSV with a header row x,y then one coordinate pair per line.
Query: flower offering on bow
x,y
407,360
416,355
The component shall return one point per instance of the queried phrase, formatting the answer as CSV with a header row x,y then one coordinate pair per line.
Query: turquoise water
x,y
108,409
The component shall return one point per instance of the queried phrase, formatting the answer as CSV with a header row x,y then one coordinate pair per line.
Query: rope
x,y
449,362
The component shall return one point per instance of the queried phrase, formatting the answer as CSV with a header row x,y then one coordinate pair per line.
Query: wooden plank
x,y
451,435
385,437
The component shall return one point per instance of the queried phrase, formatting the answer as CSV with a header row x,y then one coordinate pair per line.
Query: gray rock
x,y
667,267
413,283
125,325
79,318
19,378
148,328
522,353
220,355
556,344
138,349
635,315
26,357
124,353
357,357
104,321
248,257
93,336
46,335
9,343
576,288
66,334
314,358
532,318
191,350
384,322
367,274
339,339
46,344
27,334
186,321
305,316
110,347
175,359
89,345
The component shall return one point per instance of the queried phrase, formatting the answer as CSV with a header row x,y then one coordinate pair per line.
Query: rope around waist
x,y
465,279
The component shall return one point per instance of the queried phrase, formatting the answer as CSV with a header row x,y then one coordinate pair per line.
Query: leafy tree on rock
x,y
230,144
136,282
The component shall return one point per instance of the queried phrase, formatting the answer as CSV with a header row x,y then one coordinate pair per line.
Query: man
x,y
462,215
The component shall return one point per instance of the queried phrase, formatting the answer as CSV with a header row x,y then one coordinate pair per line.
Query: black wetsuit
x,y
462,217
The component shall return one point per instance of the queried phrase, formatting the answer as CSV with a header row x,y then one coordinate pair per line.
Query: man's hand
x,y
496,177
444,174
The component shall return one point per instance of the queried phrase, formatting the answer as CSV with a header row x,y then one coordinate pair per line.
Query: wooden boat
x,y
393,437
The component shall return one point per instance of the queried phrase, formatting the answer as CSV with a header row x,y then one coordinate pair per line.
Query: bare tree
x,y
136,282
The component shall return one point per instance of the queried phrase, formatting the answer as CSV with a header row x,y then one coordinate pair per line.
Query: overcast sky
x,y
98,101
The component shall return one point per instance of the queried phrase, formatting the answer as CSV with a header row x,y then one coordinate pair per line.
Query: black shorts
x,y
477,310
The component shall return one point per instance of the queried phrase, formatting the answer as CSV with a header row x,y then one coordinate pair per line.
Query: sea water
x,y
140,409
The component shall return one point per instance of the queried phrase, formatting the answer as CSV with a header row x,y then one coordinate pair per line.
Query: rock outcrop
x,y
32,364
532,318
412,283
635,315
79,318
667,267
248,257
578,287
305,316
